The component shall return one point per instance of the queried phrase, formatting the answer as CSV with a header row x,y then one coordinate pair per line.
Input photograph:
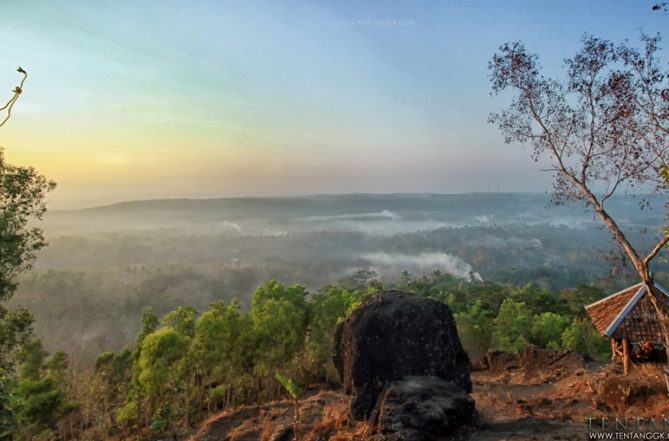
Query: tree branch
x,y
18,90
656,250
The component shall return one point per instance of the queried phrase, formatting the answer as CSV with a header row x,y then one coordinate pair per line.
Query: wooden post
x,y
626,356
614,351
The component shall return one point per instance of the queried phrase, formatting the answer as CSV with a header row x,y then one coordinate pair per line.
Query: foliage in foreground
x,y
187,365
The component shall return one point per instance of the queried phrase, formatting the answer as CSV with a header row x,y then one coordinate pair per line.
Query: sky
x,y
168,99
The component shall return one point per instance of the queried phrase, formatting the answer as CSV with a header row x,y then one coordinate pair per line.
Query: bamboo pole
x,y
626,356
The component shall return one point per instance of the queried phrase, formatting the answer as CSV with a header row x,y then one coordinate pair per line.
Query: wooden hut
x,y
628,318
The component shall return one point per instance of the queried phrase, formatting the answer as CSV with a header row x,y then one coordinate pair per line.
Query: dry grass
x,y
336,425
231,416
243,430
572,397
502,399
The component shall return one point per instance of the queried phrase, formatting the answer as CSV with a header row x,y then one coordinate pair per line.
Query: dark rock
x,y
393,335
423,409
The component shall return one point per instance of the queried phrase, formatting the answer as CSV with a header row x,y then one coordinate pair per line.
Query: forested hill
x,y
380,213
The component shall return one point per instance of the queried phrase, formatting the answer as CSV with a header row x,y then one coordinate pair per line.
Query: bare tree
x,y
604,128
18,90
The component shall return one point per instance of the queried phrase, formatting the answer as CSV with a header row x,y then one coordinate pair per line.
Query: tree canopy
x,y
604,127
22,199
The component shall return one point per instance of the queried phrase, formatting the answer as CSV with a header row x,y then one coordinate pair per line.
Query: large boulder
x,y
423,409
392,335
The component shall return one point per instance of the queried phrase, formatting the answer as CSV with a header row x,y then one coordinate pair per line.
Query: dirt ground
x,y
555,404
509,410
515,401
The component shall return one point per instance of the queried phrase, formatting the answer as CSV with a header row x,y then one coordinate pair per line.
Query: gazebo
x,y
628,318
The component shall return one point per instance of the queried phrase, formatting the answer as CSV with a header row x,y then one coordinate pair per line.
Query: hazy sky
x,y
145,99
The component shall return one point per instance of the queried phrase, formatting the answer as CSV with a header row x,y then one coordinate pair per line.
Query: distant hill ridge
x,y
409,211
315,199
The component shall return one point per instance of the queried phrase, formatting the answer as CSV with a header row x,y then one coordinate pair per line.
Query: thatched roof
x,y
629,314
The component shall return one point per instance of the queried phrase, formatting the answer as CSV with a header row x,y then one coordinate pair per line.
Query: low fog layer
x,y
378,214
389,264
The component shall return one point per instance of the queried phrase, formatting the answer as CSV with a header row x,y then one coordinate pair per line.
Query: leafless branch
x,y
18,90
656,250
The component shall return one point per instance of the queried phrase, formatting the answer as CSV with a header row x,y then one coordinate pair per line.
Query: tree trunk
x,y
642,265
626,356
139,409
662,319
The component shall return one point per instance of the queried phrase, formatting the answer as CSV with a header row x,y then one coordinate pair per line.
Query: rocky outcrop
x,y
423,409
393,335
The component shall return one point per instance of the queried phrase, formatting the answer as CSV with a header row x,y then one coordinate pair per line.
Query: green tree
x,y
41,398
511,327
280,318
580,296
182,320
222,352
474,328
150,323
115,372
159,369
547,329
22,199
582,336
360,279
538,299
8,406
327,308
